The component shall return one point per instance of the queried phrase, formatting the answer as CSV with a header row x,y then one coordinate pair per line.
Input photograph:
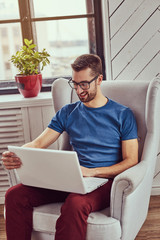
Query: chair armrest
x,y
125,183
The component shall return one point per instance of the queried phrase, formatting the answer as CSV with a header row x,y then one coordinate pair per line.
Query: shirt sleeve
x,y
58,122
128,125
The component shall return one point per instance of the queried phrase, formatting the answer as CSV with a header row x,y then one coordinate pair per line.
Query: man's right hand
x,y
10,160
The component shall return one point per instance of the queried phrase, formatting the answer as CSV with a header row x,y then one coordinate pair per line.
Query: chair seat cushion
x,y
100,224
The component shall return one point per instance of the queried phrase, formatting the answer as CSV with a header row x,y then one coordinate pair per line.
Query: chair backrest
x,y
137,95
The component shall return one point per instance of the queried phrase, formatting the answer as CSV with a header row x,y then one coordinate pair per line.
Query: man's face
x,y
89,94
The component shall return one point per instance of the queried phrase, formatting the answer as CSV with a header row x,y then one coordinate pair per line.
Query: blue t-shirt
x,y
96,133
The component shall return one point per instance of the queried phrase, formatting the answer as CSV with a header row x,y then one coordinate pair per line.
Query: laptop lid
x,y
53,169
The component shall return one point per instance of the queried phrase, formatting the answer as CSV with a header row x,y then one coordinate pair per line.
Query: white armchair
x,y
131,189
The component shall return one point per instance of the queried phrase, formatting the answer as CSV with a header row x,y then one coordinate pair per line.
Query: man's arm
x,y
130,158
48,136
45,139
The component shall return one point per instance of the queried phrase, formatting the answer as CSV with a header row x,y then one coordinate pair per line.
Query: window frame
x,y
27,21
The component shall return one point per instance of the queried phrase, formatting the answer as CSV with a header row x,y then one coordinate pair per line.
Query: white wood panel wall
x,y
134,38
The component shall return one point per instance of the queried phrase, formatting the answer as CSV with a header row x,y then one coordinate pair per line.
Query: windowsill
x,y
14,90
17,100
9,87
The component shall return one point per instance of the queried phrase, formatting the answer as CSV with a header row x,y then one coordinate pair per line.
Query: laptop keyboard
x,y
93,182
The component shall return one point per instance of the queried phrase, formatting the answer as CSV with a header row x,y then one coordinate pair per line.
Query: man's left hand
x,y
87,172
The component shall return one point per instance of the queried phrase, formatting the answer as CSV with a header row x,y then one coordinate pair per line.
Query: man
x,y
104,135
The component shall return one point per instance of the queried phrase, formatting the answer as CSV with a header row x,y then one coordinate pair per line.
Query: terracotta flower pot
x,y
29,85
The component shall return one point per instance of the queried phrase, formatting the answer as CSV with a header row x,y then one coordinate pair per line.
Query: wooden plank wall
x,y
134,39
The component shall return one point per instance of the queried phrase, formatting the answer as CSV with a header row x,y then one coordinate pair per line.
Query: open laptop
x,y
54,169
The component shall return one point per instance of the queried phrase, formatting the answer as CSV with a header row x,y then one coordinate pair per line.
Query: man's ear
x,y
99,79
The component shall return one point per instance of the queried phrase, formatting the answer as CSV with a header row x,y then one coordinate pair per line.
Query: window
x,y
65,33
4,32
9,9
7,66
5,50
8,45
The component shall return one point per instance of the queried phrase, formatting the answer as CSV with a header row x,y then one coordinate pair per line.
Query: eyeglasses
x,y
85,85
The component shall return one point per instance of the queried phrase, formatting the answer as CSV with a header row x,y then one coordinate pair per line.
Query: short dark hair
x,y
85,61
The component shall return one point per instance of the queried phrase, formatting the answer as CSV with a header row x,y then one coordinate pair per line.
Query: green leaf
x,y
26,41
30,42
24,48
32,46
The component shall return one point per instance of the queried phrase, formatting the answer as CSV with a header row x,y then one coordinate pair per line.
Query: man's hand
x,y
87,172
10,160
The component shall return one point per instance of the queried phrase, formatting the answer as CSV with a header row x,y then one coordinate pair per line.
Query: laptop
x,y
54,169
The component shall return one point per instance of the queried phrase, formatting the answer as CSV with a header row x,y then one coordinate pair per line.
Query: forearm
x,y
36,143
114,170
31,145
47,137
108,172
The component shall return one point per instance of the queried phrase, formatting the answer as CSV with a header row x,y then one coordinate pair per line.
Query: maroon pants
x,y
71,224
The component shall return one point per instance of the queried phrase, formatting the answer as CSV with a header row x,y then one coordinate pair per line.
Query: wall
x,y
133,31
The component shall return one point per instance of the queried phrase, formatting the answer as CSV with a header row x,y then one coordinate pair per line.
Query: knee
x,y
13,195
10,194
76,204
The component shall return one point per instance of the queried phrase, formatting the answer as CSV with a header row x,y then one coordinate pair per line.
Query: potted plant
x,y
27,60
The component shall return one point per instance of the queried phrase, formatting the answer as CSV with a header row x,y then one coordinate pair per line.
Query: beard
x,y
87,97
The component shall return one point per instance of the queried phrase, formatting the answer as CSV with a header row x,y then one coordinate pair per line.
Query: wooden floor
x,y
2,226
149,231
